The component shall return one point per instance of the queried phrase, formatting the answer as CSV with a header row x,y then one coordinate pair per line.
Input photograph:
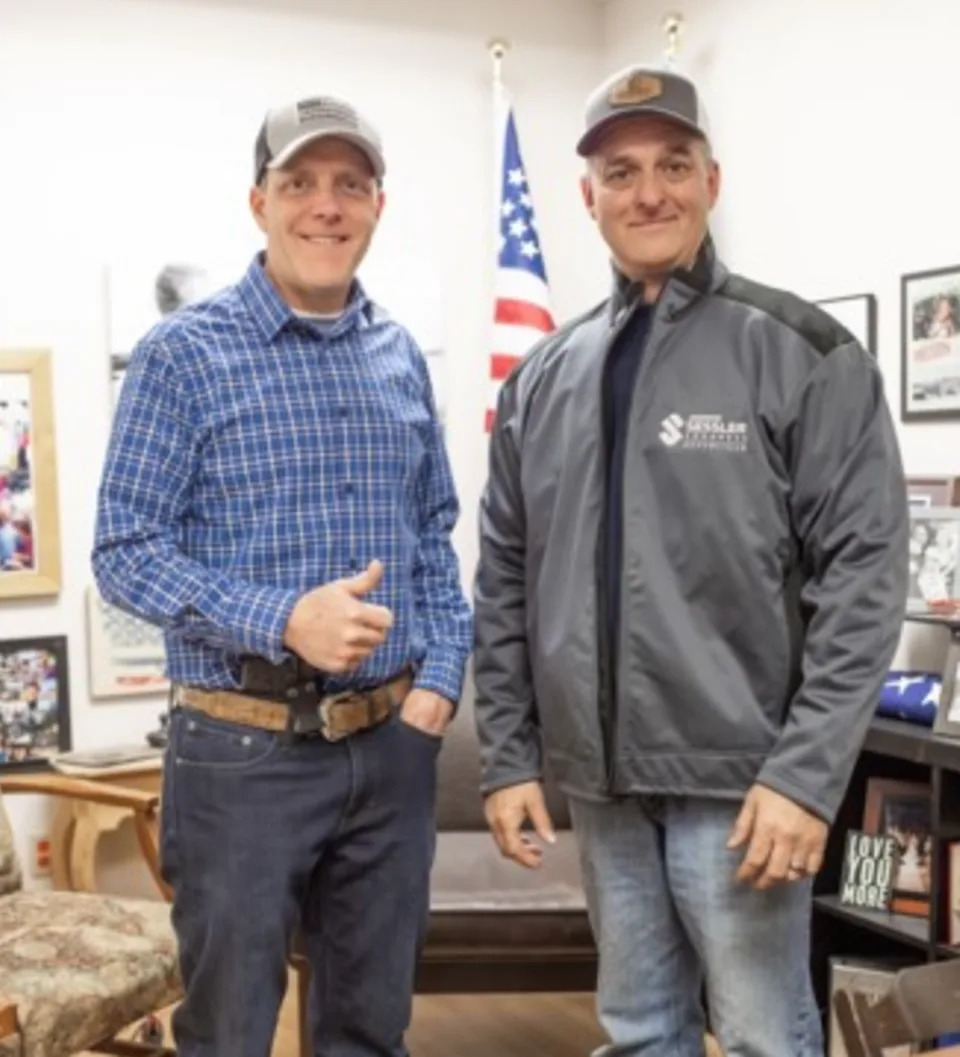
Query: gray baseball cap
x,y
287,129
642,90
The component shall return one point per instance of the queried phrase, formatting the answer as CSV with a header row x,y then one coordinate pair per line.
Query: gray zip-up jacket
x,y
764,561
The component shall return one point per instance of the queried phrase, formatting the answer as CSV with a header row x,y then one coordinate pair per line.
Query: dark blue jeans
x,y
262,836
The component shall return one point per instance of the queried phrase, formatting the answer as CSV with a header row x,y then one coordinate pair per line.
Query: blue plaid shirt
x,y
255,455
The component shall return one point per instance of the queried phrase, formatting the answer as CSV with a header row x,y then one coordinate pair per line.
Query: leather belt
x,y
334,716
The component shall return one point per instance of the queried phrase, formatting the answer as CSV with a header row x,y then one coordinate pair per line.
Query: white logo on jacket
x,y
703,432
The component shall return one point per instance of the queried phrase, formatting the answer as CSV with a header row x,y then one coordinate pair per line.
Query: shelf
x,y
910,741
912,930
944,951
952,621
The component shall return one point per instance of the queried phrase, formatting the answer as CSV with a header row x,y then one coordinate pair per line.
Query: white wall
x,y
128,129
832,121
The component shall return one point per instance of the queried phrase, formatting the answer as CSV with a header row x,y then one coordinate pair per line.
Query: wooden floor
x,y
561,1025
515,1025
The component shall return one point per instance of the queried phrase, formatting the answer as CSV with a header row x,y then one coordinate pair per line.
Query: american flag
x,y
522,307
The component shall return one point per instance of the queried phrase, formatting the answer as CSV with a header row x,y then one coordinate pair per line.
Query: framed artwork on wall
x,y
126,655
34,701
858,313
934,557
29,511
140,296
930,345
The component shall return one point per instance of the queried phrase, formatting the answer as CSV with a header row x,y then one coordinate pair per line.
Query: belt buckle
x,y
326,705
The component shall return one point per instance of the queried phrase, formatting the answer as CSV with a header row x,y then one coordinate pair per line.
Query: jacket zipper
x,y
607,679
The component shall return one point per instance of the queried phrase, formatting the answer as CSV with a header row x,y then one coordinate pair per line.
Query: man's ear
x,y
713,182
257,201
381,202
586,189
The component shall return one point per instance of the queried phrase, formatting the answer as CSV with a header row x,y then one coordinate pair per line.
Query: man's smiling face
x,y
319,212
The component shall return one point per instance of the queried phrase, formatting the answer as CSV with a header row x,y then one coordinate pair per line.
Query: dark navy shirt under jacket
x,y
619,381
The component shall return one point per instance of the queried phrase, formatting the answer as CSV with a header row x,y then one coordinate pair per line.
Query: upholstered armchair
x,y
76,968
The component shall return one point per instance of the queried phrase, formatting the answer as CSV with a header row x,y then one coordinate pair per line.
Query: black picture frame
x,y
858,313
34,701
930,332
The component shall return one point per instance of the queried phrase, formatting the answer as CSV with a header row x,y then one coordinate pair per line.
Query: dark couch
x,y
494,925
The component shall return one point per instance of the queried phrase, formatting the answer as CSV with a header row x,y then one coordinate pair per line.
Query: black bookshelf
x,y
905,751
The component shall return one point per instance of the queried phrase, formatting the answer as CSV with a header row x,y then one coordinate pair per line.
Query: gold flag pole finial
x,y
673,30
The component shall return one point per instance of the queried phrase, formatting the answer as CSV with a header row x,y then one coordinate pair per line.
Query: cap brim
x,y
589,140
363,145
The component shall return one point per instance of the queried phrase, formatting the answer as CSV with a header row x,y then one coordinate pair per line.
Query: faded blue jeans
x,y
669,917
261,837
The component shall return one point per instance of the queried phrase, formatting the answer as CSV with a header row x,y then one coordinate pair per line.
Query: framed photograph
x,y
29,514
34,701
933,491
902,810
934,549
930,357
947,720
139,297
126,655
858,313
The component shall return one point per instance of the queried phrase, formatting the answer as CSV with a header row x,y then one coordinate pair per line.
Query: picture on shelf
x,y
933,491
140,297
17,500
126,655
34,701
934,555
29,515
930,351
902,810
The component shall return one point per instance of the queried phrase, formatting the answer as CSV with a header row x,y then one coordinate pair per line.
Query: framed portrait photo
x,y
29,511
858,313
34,701
930,354
947,721
933,558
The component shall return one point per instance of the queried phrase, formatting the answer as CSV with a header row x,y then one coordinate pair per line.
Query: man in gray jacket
x,y
691,584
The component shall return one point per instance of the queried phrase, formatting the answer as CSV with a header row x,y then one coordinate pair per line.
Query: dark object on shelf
x,y
158,739
923,1002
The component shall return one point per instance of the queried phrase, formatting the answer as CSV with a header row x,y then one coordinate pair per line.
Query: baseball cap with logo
x,y
639,90
288,129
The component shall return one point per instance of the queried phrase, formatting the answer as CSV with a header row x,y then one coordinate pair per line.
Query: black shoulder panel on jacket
x,y
811,322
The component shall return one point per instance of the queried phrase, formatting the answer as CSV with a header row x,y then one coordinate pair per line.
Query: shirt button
x,y
348,488
343,412
354,564
293,692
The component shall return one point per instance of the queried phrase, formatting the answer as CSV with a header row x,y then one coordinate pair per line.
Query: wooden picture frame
x,y
903,810
34,701
930,345
858,313
30,525
933,491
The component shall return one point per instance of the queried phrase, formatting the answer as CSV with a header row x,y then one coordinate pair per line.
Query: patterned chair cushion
x,y
80,967
10,878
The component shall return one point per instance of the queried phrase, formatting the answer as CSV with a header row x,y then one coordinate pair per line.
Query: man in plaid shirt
x,y
277,497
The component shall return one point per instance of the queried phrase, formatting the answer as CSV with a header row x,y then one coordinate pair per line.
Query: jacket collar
x,y
684,286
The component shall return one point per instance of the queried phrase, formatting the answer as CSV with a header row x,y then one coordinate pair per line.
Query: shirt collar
x,y
272,313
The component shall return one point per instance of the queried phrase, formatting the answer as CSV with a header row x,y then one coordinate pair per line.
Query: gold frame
x,y
45,578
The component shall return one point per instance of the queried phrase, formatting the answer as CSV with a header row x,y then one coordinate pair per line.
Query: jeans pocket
x,y
425,736
201,741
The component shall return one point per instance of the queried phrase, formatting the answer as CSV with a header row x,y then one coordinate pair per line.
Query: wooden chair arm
x,y
81,789
144,806
9,1025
